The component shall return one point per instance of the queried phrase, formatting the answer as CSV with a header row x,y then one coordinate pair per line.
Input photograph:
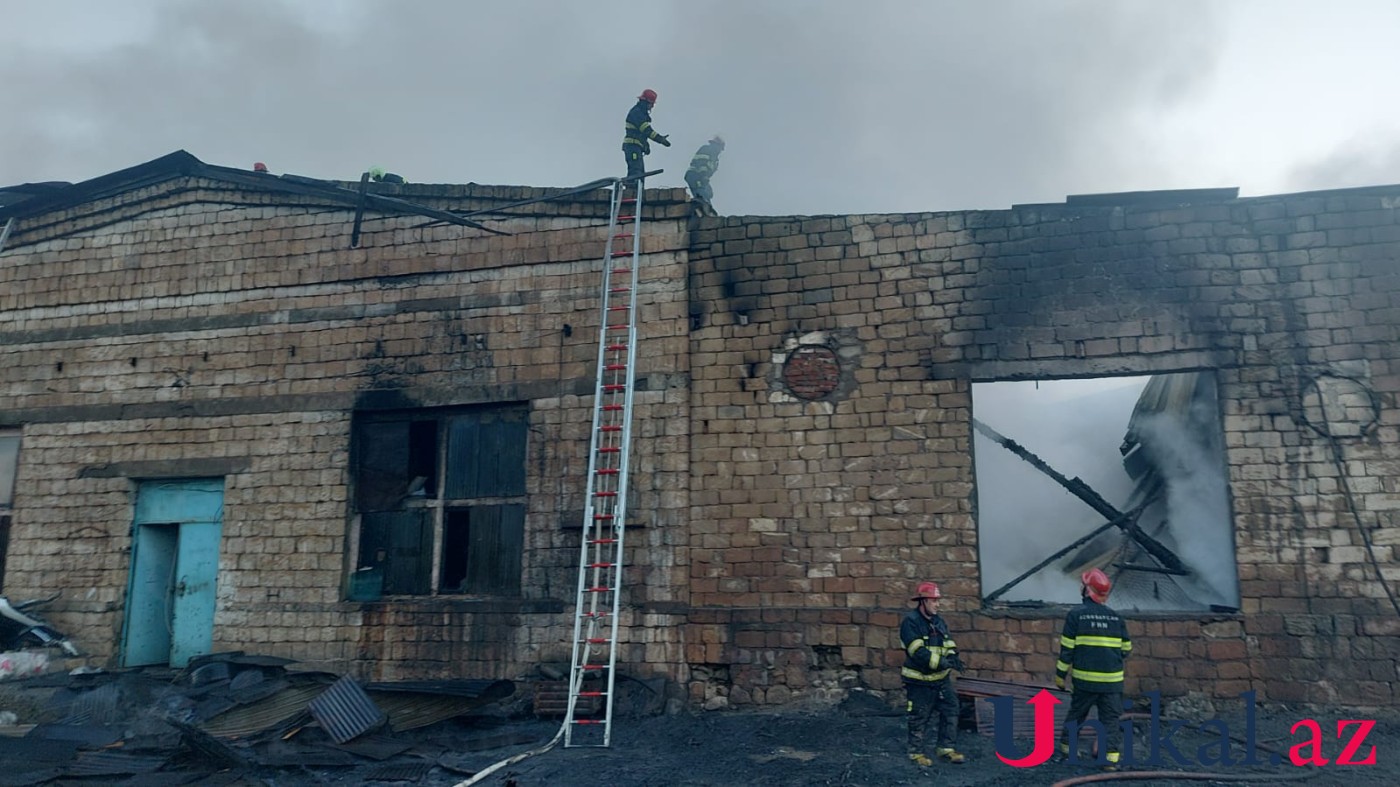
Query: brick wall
x,y
200,328
812,520
196,327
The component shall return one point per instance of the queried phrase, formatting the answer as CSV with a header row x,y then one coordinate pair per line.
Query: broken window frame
x,y
1157,557
411,511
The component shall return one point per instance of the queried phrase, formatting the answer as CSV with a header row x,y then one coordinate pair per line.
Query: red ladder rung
x,y
617,327
621,271
614,387
596,614
629,199
603,517
614,367
612,449
608,471
592,693
601,565
610,429
605,494
589,721
621,308
598,590
603,541
587,667
617,347
619,289
613,407
622,253
597,640
625,218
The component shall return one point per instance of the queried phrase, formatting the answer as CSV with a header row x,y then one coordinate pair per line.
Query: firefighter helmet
x,y
927,590
648,96
1096,584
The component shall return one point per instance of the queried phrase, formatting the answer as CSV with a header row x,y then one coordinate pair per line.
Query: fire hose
x,y
1196,776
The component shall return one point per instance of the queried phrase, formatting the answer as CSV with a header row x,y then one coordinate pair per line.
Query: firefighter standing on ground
x,y
1093,645
930,653
636,141
702,167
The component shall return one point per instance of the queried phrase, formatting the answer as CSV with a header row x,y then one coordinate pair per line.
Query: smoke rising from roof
x,y
830,107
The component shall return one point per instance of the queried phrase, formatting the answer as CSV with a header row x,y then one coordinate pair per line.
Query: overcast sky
x,y
849,106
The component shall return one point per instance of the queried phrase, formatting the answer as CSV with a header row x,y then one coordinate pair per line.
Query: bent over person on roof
x,y
637,139
1093,645
929,654
702,167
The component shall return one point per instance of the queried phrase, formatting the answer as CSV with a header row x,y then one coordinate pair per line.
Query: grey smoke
x,y
1023,516
828,107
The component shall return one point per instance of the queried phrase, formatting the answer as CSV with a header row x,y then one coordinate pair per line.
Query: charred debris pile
x,y
233,715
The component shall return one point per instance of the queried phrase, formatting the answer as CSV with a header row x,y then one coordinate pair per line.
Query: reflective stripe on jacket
x,y
639,133
924,648
1093,645
705,162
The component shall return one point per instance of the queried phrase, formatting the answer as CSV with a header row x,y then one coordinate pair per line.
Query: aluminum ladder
x,y
592,672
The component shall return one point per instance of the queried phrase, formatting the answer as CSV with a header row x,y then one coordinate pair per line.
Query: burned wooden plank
x,y
1084,492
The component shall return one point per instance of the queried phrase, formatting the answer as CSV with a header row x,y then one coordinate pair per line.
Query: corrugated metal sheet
x,y
411,711
408,772
345,711
113,763
264,714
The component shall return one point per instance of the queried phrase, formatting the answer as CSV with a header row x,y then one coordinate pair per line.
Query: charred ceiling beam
x,y
1094,500
379,202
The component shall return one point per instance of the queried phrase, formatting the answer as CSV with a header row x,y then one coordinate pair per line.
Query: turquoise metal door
x,y
196,568
174,571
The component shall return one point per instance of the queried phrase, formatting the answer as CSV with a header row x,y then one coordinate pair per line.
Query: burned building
x,y
350,427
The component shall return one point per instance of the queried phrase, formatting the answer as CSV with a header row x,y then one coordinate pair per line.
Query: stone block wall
x,y
199,328
803,446
812,518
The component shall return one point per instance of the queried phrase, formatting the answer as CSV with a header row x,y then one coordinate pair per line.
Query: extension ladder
x,y
591,676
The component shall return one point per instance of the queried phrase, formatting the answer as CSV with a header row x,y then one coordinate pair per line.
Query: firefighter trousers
x,y
1110,708
928,698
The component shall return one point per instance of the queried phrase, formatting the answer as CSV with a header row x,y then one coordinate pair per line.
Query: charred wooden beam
x,y
1078,542
1094,500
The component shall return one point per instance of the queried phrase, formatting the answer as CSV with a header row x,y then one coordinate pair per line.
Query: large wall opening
x,y
1126,474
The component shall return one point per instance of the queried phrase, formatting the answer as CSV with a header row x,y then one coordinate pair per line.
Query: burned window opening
x,y
1166,540
481,548
447,483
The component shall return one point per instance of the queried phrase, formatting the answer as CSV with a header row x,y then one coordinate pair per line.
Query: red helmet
x,y
648,96
1096,584
927,590
258,166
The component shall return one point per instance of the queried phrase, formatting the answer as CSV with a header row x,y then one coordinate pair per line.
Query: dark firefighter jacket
x,y
1094,643
925,644
639,133
704,164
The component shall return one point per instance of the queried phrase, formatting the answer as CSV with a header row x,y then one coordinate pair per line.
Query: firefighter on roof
x,y
636,141
929,654
702,167
1093,645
